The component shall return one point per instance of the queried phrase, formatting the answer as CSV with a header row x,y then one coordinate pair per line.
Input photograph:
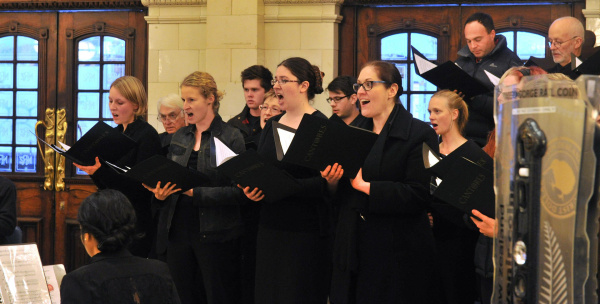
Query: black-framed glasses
x,y
169,117
559,43
274,110
337,98
367,85
282,81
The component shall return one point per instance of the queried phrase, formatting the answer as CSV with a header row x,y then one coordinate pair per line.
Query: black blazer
x,y
395,247
119,278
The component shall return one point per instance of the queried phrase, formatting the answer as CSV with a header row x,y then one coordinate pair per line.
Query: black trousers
x,y
204,272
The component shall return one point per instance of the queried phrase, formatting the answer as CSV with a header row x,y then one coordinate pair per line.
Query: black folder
x,y
544,63
280,146
321,142
590,66
250,170
468,186
449,76
466,178
102,141
161,169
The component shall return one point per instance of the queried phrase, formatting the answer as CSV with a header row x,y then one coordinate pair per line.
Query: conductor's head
x,y
107,220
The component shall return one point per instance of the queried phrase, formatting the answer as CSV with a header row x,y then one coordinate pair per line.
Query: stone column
x,y
592,18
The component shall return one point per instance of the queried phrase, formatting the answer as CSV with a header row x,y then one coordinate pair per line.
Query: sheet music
x,y
222,153
54,275
423,65
23,278
493,79
64,146
578,61
433,159
286,138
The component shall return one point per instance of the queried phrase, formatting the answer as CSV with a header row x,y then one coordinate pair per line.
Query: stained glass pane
x,y
5,159
510,39
418,83
7,48
7,128
395,47
530,44
89,49
114,49
83,126
26,159
6,103
27,75
427,45
88,77
6,75
403,100
27,49
418,106
88,105
112,72
105,106
24,132
27,103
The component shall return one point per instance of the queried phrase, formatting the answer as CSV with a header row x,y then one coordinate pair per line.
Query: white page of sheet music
x,y
222,153
64,146
23,279
493,79
286,138
423,65
54,275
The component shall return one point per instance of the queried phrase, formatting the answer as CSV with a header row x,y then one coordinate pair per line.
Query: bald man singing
x,y
565,37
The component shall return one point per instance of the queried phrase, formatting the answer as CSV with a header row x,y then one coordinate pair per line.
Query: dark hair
x,y
258,72
109,217
342,84
483,18
305,71
389,73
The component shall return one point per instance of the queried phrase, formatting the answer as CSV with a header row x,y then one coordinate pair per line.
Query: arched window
x,y
19,62
395,48
525,44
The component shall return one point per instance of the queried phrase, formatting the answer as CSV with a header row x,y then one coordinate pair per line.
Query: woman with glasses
x,y
170,114
128,103
199,230
292,258
269,108
384,252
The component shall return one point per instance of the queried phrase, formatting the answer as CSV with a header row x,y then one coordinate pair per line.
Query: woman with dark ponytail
x,y
107,220
292,258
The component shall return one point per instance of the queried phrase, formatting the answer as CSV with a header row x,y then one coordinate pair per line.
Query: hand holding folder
x,y
158,168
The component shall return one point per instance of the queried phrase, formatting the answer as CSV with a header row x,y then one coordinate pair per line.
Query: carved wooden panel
x,y
76,254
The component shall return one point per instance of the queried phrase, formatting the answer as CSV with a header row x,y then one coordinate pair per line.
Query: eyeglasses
x,y
170,117
336,99
282,81
273,109
367,85
558,43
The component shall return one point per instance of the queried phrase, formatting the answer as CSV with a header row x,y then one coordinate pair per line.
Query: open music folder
x,y
161,169
248,169
101,140
320,142
590,66
448,76
461,182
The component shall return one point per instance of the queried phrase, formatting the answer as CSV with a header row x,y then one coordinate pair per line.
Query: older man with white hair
x,y
565,37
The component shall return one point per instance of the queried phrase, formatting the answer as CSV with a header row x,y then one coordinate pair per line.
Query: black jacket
x,y
394,243
250,132
481,108
218,202
119,278
8,208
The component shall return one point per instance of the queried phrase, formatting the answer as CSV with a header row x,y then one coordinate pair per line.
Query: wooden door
x,y
49,194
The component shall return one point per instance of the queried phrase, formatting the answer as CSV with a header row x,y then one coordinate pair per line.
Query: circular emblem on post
x,y
560,177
